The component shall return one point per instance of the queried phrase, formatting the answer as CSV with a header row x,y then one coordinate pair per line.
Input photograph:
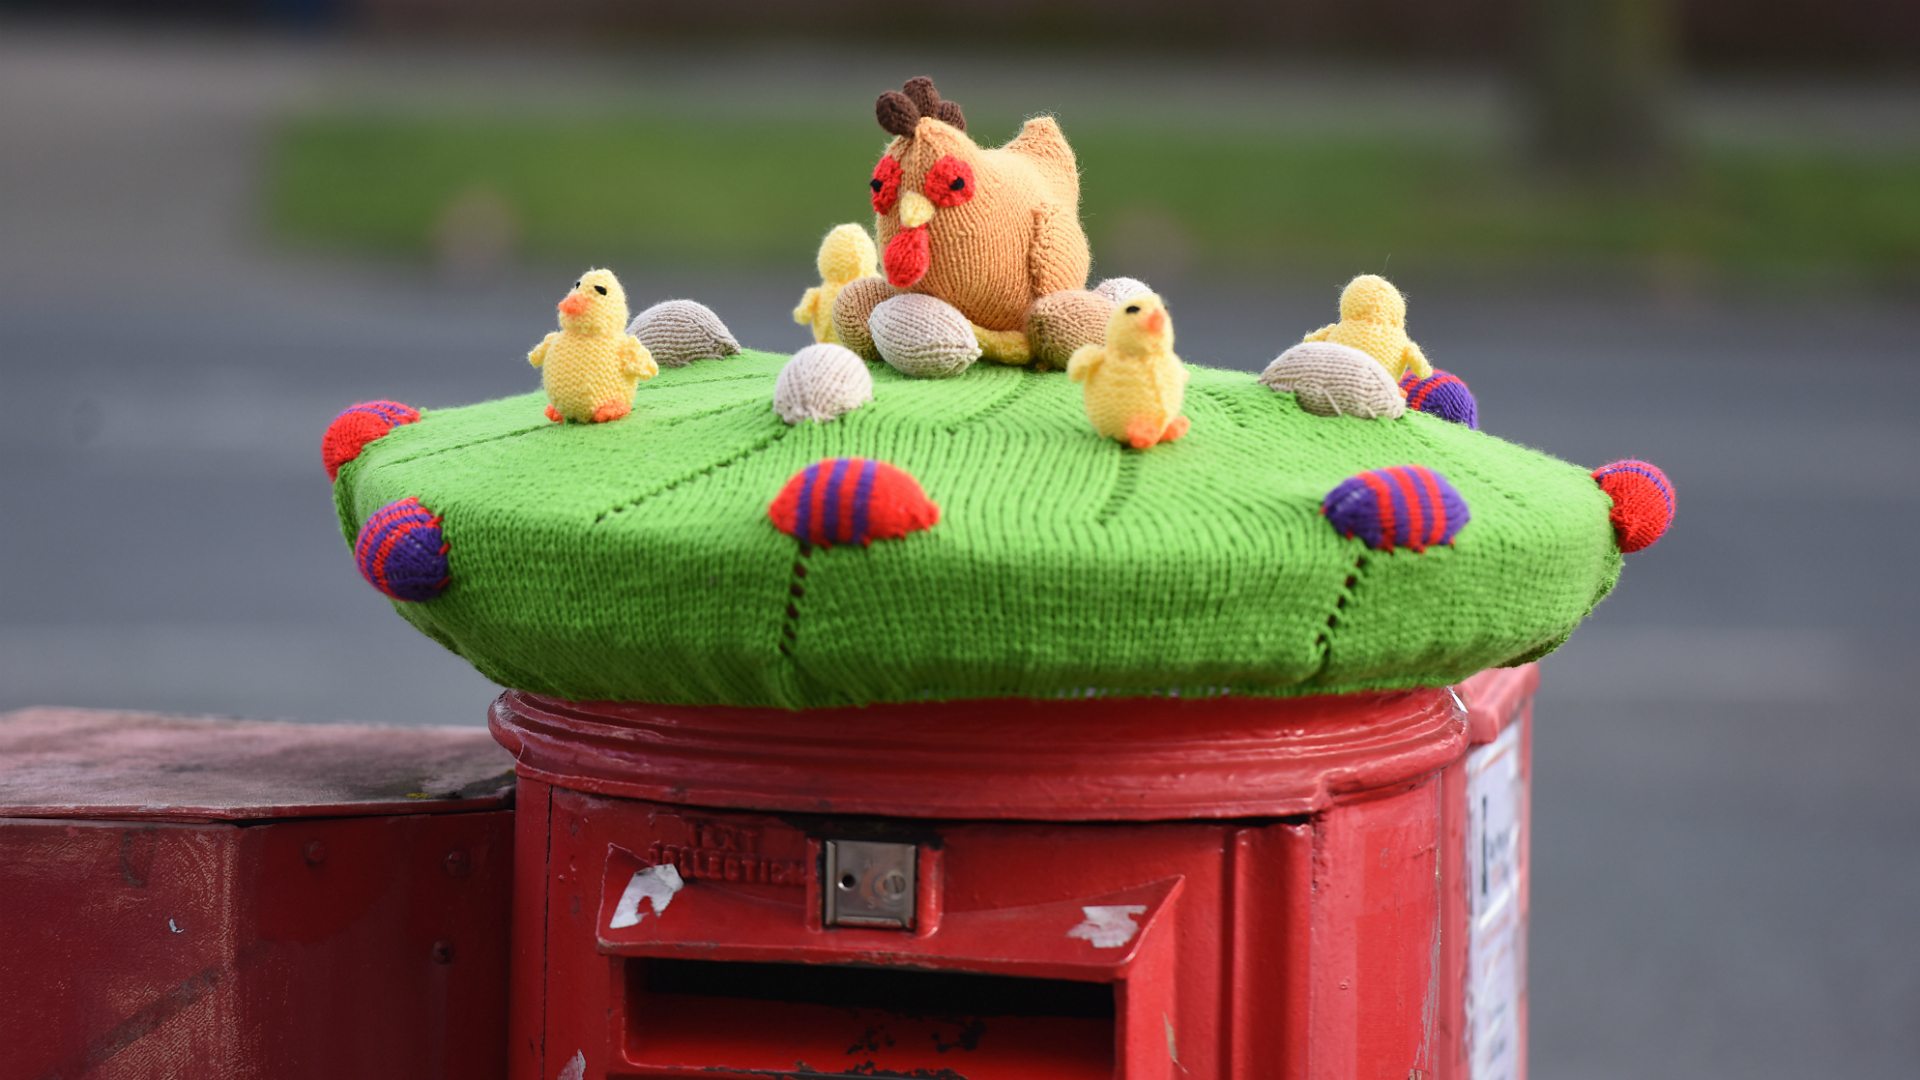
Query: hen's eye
x,y
1133,309
885,185
949,182
601,289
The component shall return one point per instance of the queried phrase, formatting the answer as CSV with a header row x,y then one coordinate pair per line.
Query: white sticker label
x,y
1108,927
1496,927
654,886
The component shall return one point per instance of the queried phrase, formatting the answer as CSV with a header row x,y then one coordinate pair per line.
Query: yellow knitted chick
x,y
1373,319
1134,382
591,365
846,255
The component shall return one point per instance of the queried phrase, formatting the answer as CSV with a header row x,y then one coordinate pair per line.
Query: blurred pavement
x,y
1725,811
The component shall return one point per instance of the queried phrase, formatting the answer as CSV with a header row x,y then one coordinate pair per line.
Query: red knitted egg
x,y
851,501
1643,502
359,425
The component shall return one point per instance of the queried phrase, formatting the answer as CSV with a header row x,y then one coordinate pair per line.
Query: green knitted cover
x,y
635,560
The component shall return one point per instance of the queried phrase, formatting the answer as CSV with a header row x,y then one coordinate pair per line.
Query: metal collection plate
x,y
869,883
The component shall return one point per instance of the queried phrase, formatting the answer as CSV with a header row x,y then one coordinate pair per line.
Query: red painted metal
x,y
203,898
1282,870
1099,760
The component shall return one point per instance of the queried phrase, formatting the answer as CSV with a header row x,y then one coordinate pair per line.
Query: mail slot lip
x,y
1035,941
1096,760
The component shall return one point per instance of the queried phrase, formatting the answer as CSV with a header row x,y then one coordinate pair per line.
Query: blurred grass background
x,y
726,188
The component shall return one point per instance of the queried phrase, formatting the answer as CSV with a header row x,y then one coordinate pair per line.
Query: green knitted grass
x,y
635,561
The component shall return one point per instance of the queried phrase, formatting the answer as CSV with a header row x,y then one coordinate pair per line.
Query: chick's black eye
x,y
959,184
601,289
576,284
1133,309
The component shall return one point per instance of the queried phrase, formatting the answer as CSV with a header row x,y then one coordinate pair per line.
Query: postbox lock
x,y
869,883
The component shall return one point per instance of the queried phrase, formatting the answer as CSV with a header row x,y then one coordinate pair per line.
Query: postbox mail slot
x,y
716,1019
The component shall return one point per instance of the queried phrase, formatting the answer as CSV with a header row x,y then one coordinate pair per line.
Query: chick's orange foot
x,y
1176,429
611,410
1144,431
553,414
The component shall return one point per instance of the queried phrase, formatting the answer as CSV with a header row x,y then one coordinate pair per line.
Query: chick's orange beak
x,y
574,304
1155,322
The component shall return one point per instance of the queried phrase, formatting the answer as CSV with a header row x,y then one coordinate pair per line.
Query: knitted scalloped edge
x,y
1408,506
1643,502
402,551
356,426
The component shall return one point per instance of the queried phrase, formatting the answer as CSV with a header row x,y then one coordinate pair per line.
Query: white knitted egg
x,y
821,382
1335,380
678,332
923,337
1117,289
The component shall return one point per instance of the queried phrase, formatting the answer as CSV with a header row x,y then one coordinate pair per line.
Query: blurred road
x,y
1726,807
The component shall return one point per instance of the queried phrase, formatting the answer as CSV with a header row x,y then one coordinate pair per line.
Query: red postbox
x,y
202,898
1318,887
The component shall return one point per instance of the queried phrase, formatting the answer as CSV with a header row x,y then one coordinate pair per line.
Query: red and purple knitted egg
x,y
358,425
851,501
1643,502
1408,506
1441,394
402,552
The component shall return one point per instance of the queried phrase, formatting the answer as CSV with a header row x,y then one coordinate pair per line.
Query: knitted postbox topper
x,y
636,561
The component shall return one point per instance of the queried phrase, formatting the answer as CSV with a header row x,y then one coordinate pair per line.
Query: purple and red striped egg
x,y
1643,502
402,552
1408,506
1442,394
851,501
358,425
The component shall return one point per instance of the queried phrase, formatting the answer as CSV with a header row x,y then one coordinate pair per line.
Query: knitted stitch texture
x,y
1373,319
851,309
678,332
401,552
358,425
1133,381
851,501
1007,237
1117,289
634,561
821,382
1442,394
922,336
1335,380
1643,502
1061,322
1407,506
846,255
590,365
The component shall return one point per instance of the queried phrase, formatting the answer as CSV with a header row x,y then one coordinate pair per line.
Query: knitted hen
x,y
987,231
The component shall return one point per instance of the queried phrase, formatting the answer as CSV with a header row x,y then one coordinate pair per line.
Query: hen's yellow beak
x,y
915,210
